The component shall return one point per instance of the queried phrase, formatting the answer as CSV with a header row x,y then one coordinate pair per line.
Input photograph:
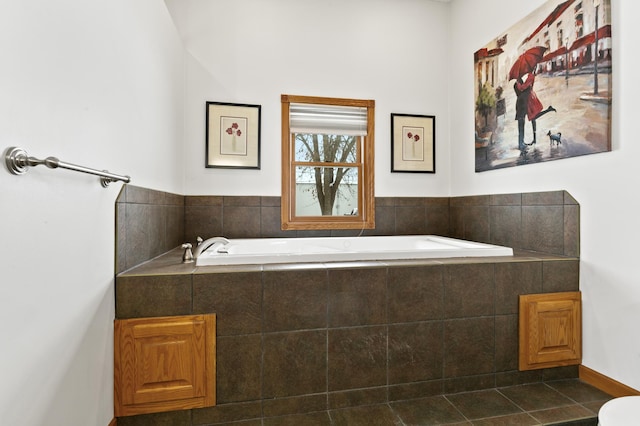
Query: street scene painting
x,y
543,87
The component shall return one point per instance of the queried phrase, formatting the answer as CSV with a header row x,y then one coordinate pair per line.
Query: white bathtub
x,y
340,249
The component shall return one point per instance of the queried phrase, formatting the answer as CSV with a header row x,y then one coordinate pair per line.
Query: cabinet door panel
x,y
164,363
550,330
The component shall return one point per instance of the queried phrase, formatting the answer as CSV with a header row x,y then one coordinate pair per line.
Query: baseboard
x,y
604,383
113,422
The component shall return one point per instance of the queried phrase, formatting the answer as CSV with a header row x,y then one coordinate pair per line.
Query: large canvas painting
x,y
543,87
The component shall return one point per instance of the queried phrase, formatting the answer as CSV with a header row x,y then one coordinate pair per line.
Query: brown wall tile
x,y
543,198
138,248
506,342
561,275
469,290
409,201
513,279
135,194
559,373
121,237
514,377
295,405
270,201
436,201
238,368
415,352
385,221
357,357
295,363
469,347
153,296
410,220
476,223
357,297
241,221
506,225
226,413
505,199
472,200
202,221
571,230
505,219
568,199
157,230
175,226
456,222
148,223
437,220
415,294
295,300
245,201
357,397
415,390
270,224
543,228
385,201
469,383
203,200
236,298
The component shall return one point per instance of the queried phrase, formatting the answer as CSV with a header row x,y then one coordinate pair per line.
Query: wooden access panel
x,y
164,364
550,328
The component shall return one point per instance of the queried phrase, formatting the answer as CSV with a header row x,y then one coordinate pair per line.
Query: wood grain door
x,y
550,327
164,363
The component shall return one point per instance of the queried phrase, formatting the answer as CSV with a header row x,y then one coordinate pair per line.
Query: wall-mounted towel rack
x,y
18,162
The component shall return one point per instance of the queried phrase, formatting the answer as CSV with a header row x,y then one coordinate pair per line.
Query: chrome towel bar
x,y
18,162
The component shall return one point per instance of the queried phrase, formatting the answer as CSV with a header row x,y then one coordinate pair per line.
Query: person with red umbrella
x,y
527,102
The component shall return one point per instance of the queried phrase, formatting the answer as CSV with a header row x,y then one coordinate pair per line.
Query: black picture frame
x,y
232,135
413,143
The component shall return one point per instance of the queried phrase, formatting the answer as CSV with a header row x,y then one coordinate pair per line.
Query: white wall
x,y
252,51
605,185
99,84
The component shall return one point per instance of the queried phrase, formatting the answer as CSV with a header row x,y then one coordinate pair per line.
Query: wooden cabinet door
x,y
550,330
164,363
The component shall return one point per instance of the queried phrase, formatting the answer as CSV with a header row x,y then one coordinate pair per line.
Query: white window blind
x,y
327,119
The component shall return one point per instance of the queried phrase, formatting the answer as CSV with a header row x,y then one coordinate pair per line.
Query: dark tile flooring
x,y
563,402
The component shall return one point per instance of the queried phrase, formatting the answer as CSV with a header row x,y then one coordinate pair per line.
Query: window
x,y
327,163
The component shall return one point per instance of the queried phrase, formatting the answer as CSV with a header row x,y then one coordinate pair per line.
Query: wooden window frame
x,y
365,218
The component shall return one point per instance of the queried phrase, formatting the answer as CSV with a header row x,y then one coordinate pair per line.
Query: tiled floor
x,y
565,402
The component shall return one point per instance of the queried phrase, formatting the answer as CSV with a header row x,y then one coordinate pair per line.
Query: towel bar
x,y
18,162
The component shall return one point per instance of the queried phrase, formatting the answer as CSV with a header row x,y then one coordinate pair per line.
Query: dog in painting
x,y
554,137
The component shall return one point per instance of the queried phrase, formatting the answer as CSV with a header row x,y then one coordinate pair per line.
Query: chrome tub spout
x,y
208,243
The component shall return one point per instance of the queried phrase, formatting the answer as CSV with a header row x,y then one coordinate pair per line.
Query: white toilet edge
x,y
621,411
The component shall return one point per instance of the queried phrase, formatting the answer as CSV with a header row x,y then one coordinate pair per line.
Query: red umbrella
x,y
526,62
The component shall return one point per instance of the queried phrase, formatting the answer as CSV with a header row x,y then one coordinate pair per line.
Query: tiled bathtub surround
x,y
309,338
301,339
150,222
547,222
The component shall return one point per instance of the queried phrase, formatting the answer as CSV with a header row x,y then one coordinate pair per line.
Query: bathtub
x,y
341,249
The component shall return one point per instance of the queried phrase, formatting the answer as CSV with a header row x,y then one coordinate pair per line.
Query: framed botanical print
x,y
413,146
233,135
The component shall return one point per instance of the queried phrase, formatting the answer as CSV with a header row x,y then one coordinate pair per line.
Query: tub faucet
x,y
208,243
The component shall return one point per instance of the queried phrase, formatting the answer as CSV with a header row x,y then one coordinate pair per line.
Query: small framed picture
x,y
233,136
413,147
